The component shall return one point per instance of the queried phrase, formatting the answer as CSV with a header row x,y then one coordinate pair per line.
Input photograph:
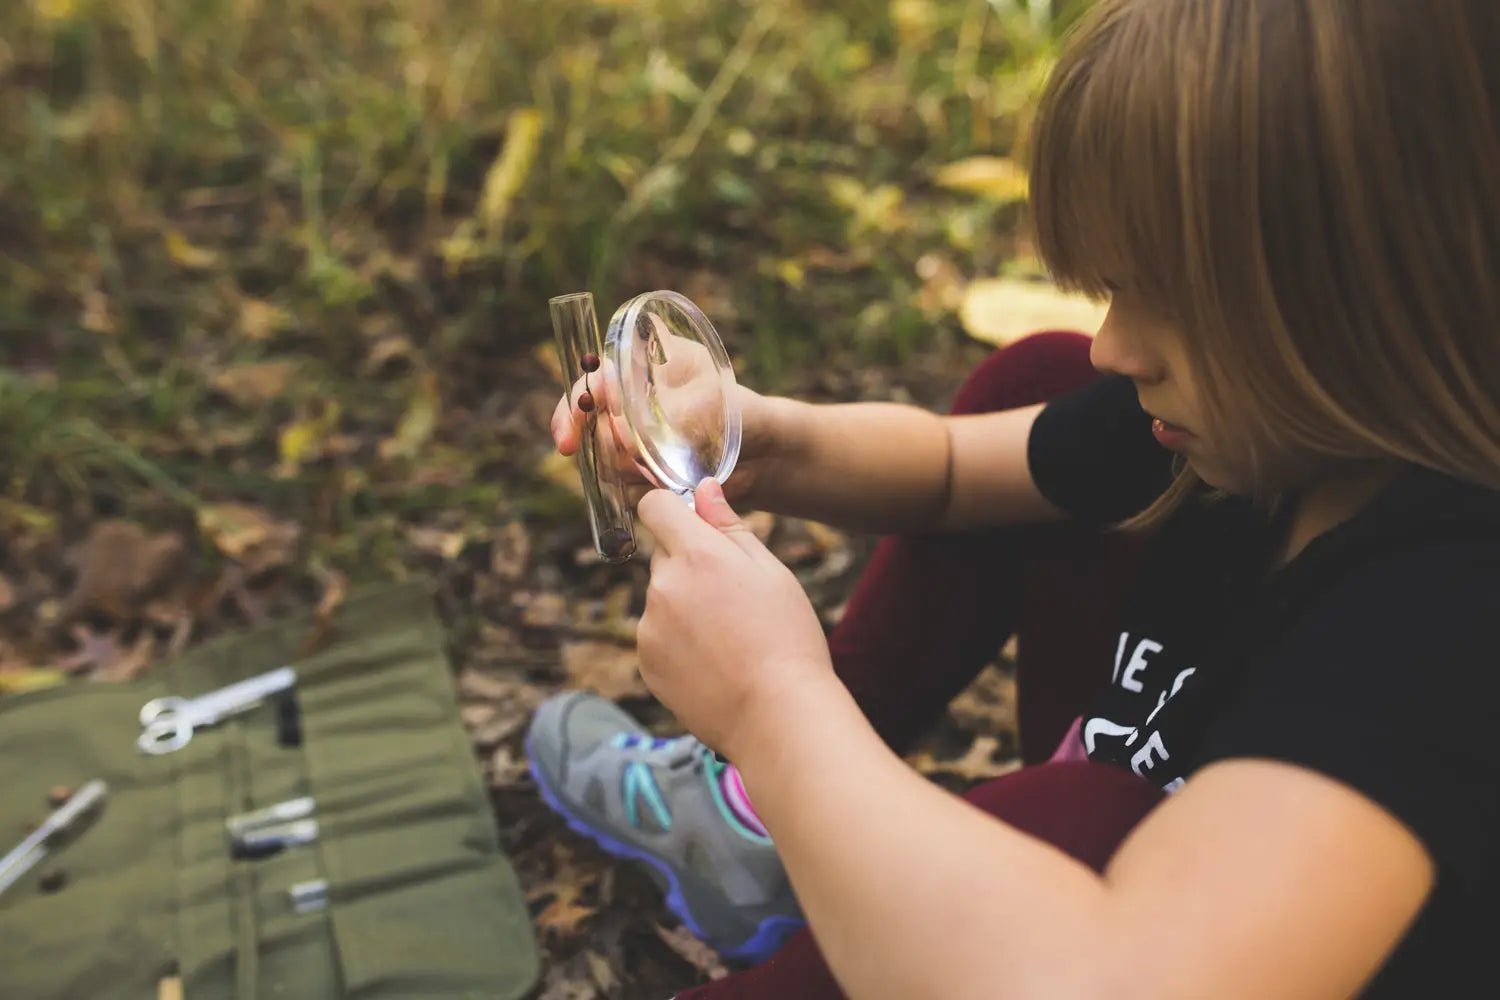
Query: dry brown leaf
x,y
693,951
389,348
564,915
977,764
510,553
601,971
437,542
607,669
761,524
544,610
102,657
988,704
507,768
249,535
335,590
7,595
120,568
261,320
254,384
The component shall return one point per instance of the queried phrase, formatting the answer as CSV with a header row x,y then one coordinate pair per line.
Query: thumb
x,y
713,507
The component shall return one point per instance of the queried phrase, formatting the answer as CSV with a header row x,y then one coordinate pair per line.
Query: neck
x,y
1328,502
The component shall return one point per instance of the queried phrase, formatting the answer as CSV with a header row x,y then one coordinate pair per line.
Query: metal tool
x,y
267,840
168,723
309,897
281,812
31,850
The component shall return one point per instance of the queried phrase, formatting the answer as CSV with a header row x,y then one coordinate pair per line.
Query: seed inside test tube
x,y
616,544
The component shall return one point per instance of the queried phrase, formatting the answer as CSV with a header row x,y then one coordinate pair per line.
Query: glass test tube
x,y
577,330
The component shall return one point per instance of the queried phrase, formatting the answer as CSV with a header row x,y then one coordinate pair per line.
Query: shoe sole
x,y
769,934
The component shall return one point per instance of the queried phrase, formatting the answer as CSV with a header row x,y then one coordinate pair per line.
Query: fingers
x,y
677,527
713,507
671,521
565,421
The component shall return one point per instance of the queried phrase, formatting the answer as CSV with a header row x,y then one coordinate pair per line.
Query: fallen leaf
x,y
609,670
260,321
305,439
544,610
435,541
507,768
510,553
998,178
102,657
977,764
564,915
254,384
335,589
186,255
17,676
121,567
7,595
601,972
417,423
987,704
1001,311
692,950
389,348
509,171
249,535
761,524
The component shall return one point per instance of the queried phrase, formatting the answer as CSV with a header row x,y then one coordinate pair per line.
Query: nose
x,y
1118,351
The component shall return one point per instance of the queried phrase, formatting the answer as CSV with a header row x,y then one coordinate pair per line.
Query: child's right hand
x,y
683,396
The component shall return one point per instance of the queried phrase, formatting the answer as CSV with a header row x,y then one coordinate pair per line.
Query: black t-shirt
x,y
1369,658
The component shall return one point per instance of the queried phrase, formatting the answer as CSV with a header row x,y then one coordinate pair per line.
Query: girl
x,y
1286,781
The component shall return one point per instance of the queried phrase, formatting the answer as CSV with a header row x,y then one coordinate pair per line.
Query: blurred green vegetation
x,y
385,193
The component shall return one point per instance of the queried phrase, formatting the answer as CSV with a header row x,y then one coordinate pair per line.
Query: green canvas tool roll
x,y
422,902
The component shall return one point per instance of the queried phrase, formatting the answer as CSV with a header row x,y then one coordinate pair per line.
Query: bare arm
x,y
887,467
1257,879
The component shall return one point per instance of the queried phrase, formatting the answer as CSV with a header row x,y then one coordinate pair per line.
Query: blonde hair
x,y
1310,189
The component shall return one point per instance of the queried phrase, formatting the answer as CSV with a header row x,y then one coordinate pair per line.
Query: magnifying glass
x,y
657,394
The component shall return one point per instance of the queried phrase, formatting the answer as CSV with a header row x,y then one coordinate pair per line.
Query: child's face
x,y
1138,342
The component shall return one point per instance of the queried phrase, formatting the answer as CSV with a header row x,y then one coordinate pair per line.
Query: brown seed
x,y
52,880
58,794
615,543
586,402
591,362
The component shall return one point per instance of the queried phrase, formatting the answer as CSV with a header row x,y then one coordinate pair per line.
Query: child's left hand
x,y
728,634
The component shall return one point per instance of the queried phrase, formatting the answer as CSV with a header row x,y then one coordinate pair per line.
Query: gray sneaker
x,y
658,801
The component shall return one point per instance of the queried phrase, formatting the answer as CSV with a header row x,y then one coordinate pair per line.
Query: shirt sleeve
x,y
1092,454
1389,686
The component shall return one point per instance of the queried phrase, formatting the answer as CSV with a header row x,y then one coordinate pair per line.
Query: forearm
x,y
911,892
880,467
891,468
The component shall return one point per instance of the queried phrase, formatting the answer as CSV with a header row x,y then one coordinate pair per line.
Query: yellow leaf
x,y
56,10
418,423
185,254
511,168
994,177
19,680
302,440
1000,311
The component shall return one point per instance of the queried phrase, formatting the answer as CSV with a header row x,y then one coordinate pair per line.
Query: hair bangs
x,y
1106,203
